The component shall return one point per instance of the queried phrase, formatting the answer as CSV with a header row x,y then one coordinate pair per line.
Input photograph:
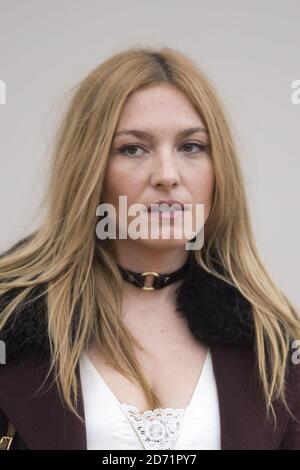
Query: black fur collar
x,y
216,313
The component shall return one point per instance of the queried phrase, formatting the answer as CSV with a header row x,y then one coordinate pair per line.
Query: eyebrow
x,y
145,134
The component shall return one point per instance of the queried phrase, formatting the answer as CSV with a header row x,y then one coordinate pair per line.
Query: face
x,y
162,164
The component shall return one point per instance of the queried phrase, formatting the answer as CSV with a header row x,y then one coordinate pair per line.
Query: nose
x,y
165,173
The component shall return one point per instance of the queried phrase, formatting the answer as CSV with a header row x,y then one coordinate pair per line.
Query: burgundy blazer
x,y
42,422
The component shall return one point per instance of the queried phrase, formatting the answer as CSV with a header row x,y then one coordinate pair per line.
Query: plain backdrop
x,y
249,49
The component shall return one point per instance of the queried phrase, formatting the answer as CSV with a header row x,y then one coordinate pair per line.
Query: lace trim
x,y
157,429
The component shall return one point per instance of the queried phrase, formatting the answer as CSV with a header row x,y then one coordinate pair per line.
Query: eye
x,y
201,147
123,150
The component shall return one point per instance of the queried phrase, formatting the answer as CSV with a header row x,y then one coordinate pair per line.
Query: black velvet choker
x,y
157,281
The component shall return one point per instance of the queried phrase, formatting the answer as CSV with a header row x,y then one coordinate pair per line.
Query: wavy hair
x,y
80,271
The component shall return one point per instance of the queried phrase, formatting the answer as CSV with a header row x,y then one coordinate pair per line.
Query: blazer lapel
x,y
243,424
40,418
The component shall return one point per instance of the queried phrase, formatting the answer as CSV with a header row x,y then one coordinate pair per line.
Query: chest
x,y
171,359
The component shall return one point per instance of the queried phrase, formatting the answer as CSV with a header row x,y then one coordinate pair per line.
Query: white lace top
x,y
112,425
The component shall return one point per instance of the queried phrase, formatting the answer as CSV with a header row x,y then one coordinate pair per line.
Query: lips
x,y
163,206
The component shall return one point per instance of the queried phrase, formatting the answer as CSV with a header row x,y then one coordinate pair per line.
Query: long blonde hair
x,y
79,269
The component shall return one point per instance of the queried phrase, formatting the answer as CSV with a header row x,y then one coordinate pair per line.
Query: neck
x,y
142,259
156,296
137,258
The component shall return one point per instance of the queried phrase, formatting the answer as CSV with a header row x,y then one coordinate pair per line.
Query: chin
x,y
162,244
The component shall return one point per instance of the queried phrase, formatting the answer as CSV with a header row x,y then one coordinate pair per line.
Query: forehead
x,y
159,108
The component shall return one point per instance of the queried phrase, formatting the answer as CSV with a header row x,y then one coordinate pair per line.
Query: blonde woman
x,y
141,343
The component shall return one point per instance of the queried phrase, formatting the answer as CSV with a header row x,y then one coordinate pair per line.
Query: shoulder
x,y
27,327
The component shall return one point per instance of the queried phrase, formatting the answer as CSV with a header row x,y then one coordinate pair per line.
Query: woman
x,y
100,354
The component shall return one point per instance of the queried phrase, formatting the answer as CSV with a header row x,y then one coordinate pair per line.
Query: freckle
x,y
162,331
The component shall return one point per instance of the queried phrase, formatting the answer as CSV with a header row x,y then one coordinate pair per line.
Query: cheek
x,y
119,181
110,184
